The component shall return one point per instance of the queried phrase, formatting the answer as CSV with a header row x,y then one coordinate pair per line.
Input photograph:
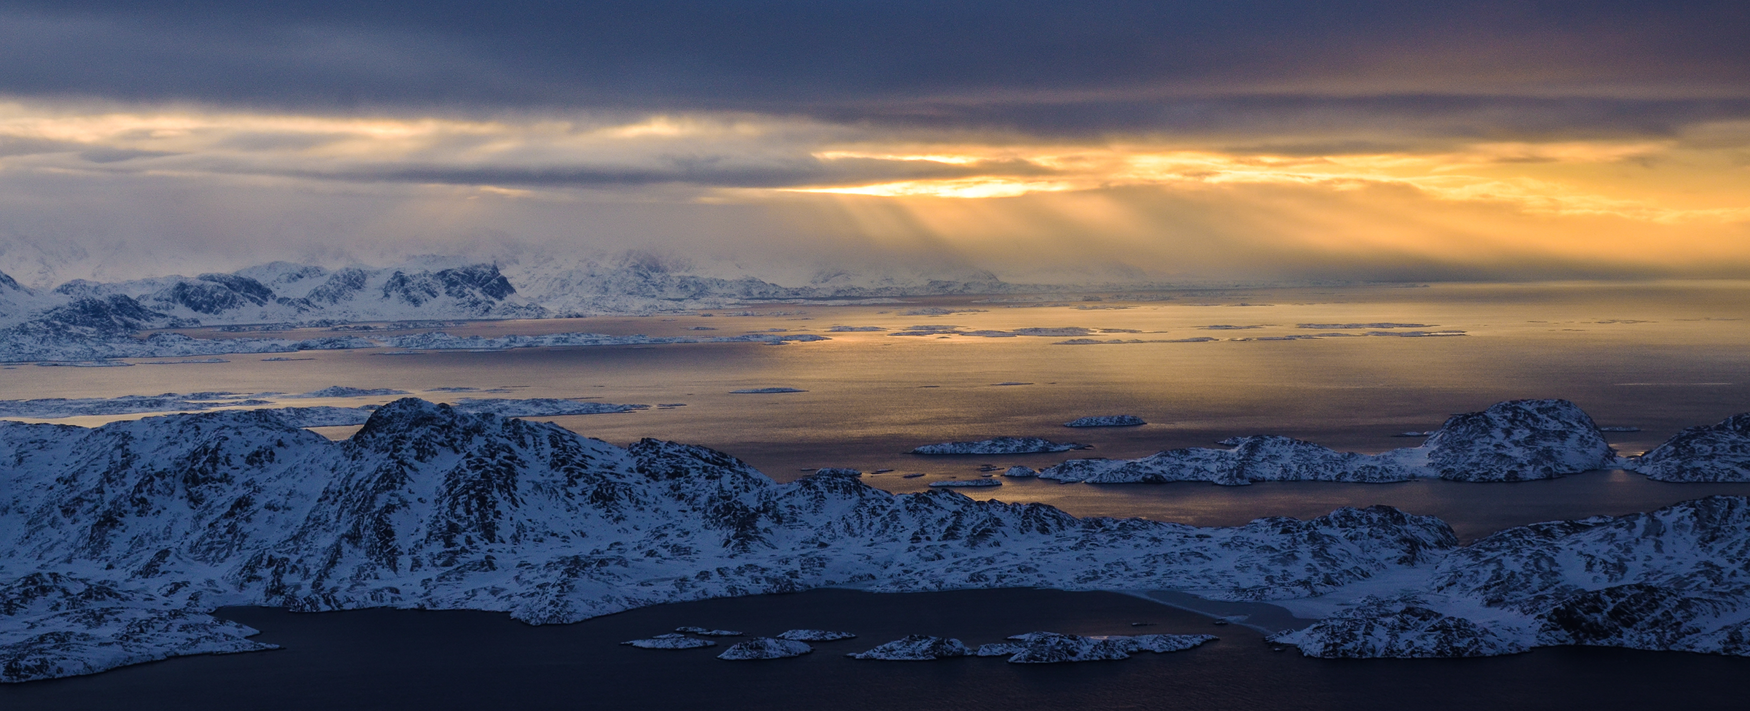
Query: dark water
x,y
382,659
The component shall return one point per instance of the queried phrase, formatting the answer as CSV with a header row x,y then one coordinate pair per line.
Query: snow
x,y
343,391
815,635
708,632
1719,452
428,507
57,625
916,648
998,445
965,483
1106,421
1019,471
765,648
56,408
1055,648
324,416
670,641
540,407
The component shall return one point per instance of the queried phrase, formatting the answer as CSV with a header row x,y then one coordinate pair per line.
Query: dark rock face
x,y
92,317
340,286
1518,440
475,286
1719,452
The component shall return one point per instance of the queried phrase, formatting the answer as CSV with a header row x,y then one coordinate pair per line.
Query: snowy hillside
x,y
427,507
430,508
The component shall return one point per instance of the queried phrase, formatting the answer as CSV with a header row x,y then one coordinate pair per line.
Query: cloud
x,y
1034,66
1247,139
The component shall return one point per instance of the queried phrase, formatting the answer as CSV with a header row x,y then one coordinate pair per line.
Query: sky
x,y
1091,141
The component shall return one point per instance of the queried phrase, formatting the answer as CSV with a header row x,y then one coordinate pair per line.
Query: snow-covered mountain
x,y
88,320
82,320
427,507
282,292
139,528
1516,440
1673,579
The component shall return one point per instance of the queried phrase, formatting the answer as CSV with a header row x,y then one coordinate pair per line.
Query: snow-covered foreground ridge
x,y
427,507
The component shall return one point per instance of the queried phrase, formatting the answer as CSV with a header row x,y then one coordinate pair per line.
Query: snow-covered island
x,y
1517,440
117,541
1106,421
1719,452
1055,648
964,483
764,648
672,640
998,445
916,648
806,635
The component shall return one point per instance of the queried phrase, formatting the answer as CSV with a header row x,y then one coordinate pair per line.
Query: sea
x,y
1357,368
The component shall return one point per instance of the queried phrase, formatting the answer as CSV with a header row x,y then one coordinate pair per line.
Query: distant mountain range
x,y
83,319
440,288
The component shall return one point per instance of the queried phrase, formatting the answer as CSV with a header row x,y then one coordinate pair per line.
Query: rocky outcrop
x,y
670,641
998,445
55,625
815,635
1719,452
1518,440
1106,421
764,648
1398,627
916,648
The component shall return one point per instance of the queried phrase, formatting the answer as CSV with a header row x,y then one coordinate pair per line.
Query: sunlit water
x,y
1658,356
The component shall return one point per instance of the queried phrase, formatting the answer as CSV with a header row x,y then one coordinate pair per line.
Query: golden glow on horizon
x,y
1449,199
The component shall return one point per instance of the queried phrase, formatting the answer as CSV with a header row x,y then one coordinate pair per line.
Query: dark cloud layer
x,y
1035,66
703,171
